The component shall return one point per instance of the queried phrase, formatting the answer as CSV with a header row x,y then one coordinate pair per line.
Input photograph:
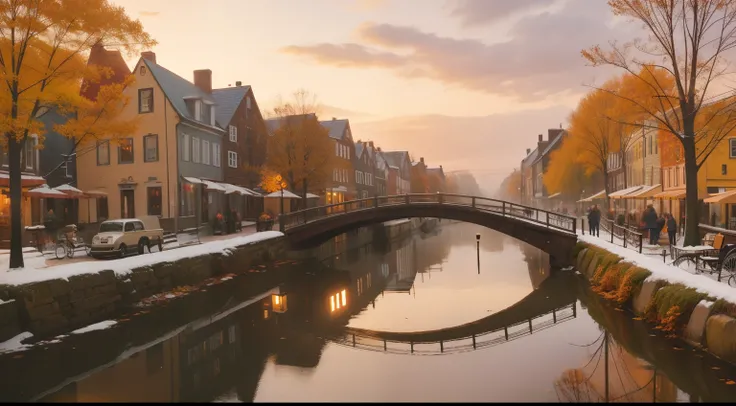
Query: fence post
x,y
473,201
641,242
546,214
554,316
473,341
375,201
406,198
582,225
625,238
611,232
282,221
503,208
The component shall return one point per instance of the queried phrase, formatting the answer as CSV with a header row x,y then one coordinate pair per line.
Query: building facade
x,y
399,180
168,167
419,183
343,186
381,173
364,164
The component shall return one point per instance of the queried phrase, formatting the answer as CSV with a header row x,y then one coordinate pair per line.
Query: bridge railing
x,y
546,218
464,344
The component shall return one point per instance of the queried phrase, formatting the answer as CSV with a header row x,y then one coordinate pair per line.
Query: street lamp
x,y
477,250
282,185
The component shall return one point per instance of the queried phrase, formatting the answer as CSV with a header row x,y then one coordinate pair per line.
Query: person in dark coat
x,y
595,220
650,223
672,229
590,220
661,222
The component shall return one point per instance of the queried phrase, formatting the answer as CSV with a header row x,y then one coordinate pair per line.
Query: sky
x,y
391,65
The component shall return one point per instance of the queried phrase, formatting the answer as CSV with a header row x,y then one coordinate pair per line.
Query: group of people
x,y
655,224
650,222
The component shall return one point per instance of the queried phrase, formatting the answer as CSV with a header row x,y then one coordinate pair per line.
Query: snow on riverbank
x,y
669,273
97,326
14,344
125,265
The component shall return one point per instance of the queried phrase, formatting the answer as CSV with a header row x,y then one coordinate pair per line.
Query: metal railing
x,y
464,344
623,235
546,218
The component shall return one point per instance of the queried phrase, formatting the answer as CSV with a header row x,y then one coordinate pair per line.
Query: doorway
x,y
127,204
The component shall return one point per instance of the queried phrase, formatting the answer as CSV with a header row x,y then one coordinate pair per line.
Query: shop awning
x,y
232,189
196,181
44,191
599,195
646,192
728,197
676,194
342,189
554,195
213,186
70,190
312,196
619,194
286,194
96,193
25,180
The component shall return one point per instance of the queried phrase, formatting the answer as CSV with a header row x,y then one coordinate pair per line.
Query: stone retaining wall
x,y
54,306
715,333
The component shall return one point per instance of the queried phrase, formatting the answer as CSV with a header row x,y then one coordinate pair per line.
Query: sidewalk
x,y
35,260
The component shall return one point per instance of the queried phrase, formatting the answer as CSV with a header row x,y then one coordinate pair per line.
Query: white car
x,y
118,238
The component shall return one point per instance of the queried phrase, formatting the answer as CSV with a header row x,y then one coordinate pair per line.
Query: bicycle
x,y
67,242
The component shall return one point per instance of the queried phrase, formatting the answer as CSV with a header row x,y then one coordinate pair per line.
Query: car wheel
x,y
123,250
142,245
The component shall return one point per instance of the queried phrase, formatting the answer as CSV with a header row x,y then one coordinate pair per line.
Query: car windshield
x,y
111,227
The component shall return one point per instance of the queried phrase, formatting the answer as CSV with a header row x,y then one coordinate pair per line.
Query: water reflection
x,y
269,348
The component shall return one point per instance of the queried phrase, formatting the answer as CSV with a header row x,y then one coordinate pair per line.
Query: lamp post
x,y
477,250
282,185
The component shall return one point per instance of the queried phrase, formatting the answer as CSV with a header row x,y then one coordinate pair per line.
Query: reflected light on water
x,y
344,298
338,300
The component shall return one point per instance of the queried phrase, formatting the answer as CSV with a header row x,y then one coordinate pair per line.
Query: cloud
x,y
541,60
333,111
149,13
477,12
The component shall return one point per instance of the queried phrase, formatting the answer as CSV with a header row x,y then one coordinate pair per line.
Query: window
x,y
150,148
232,159
143,70
103,152
334,175
198,110
247,102
732,147
348,150
206,152
357,177
216,155
190,103
125,151
233,133
102,208
129,227
138,226
30,152
724,169
196,156
154,201
185,147
337,149
145,100
187,199
205,114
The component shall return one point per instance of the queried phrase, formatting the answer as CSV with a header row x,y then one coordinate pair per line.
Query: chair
x,y
712,258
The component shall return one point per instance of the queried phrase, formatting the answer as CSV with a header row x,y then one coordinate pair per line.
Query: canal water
x,y
466,320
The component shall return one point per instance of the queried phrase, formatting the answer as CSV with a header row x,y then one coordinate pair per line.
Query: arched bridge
x,y
552,232
553,303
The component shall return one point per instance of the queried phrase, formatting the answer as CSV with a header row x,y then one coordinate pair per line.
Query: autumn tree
x,y
510,188
689,40
43,47
300,149
566,173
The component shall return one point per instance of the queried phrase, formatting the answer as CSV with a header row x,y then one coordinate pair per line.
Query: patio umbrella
x,y
69,190
45,191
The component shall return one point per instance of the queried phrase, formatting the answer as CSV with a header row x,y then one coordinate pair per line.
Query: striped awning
x,y
599,195
619,194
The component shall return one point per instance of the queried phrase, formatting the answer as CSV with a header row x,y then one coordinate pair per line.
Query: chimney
x,y
421,160
541,137
203,80
371,144
334,118
528,151
149,55
238,83
378,149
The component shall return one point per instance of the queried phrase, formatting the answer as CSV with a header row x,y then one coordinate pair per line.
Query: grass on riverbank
x,y
670,307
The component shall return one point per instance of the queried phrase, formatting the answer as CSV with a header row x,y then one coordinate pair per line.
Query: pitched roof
x,y
335,127
394,158
556,141
228,99
176,89
530,158
113,59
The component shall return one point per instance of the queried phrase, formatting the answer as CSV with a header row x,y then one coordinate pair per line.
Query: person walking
x,y
661,222
590,220
596,220
650,223
672,229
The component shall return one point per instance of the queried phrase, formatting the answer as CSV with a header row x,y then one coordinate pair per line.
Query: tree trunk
x,y
606,199
304,194
692,215
16,224
626,182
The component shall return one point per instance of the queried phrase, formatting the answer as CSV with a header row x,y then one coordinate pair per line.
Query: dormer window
x,y
143,70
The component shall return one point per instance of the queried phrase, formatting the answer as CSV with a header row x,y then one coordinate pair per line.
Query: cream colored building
x,y
174,156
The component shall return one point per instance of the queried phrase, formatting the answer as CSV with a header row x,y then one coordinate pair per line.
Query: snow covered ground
x,y
103,325
666,272
125,265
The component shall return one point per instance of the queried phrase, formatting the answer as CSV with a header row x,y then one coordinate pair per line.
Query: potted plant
x,y
264,223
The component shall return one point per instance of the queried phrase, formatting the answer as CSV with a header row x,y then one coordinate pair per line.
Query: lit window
x,y
125,151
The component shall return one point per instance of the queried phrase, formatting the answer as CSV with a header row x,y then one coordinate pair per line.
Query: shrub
x,y
673,305
721,306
